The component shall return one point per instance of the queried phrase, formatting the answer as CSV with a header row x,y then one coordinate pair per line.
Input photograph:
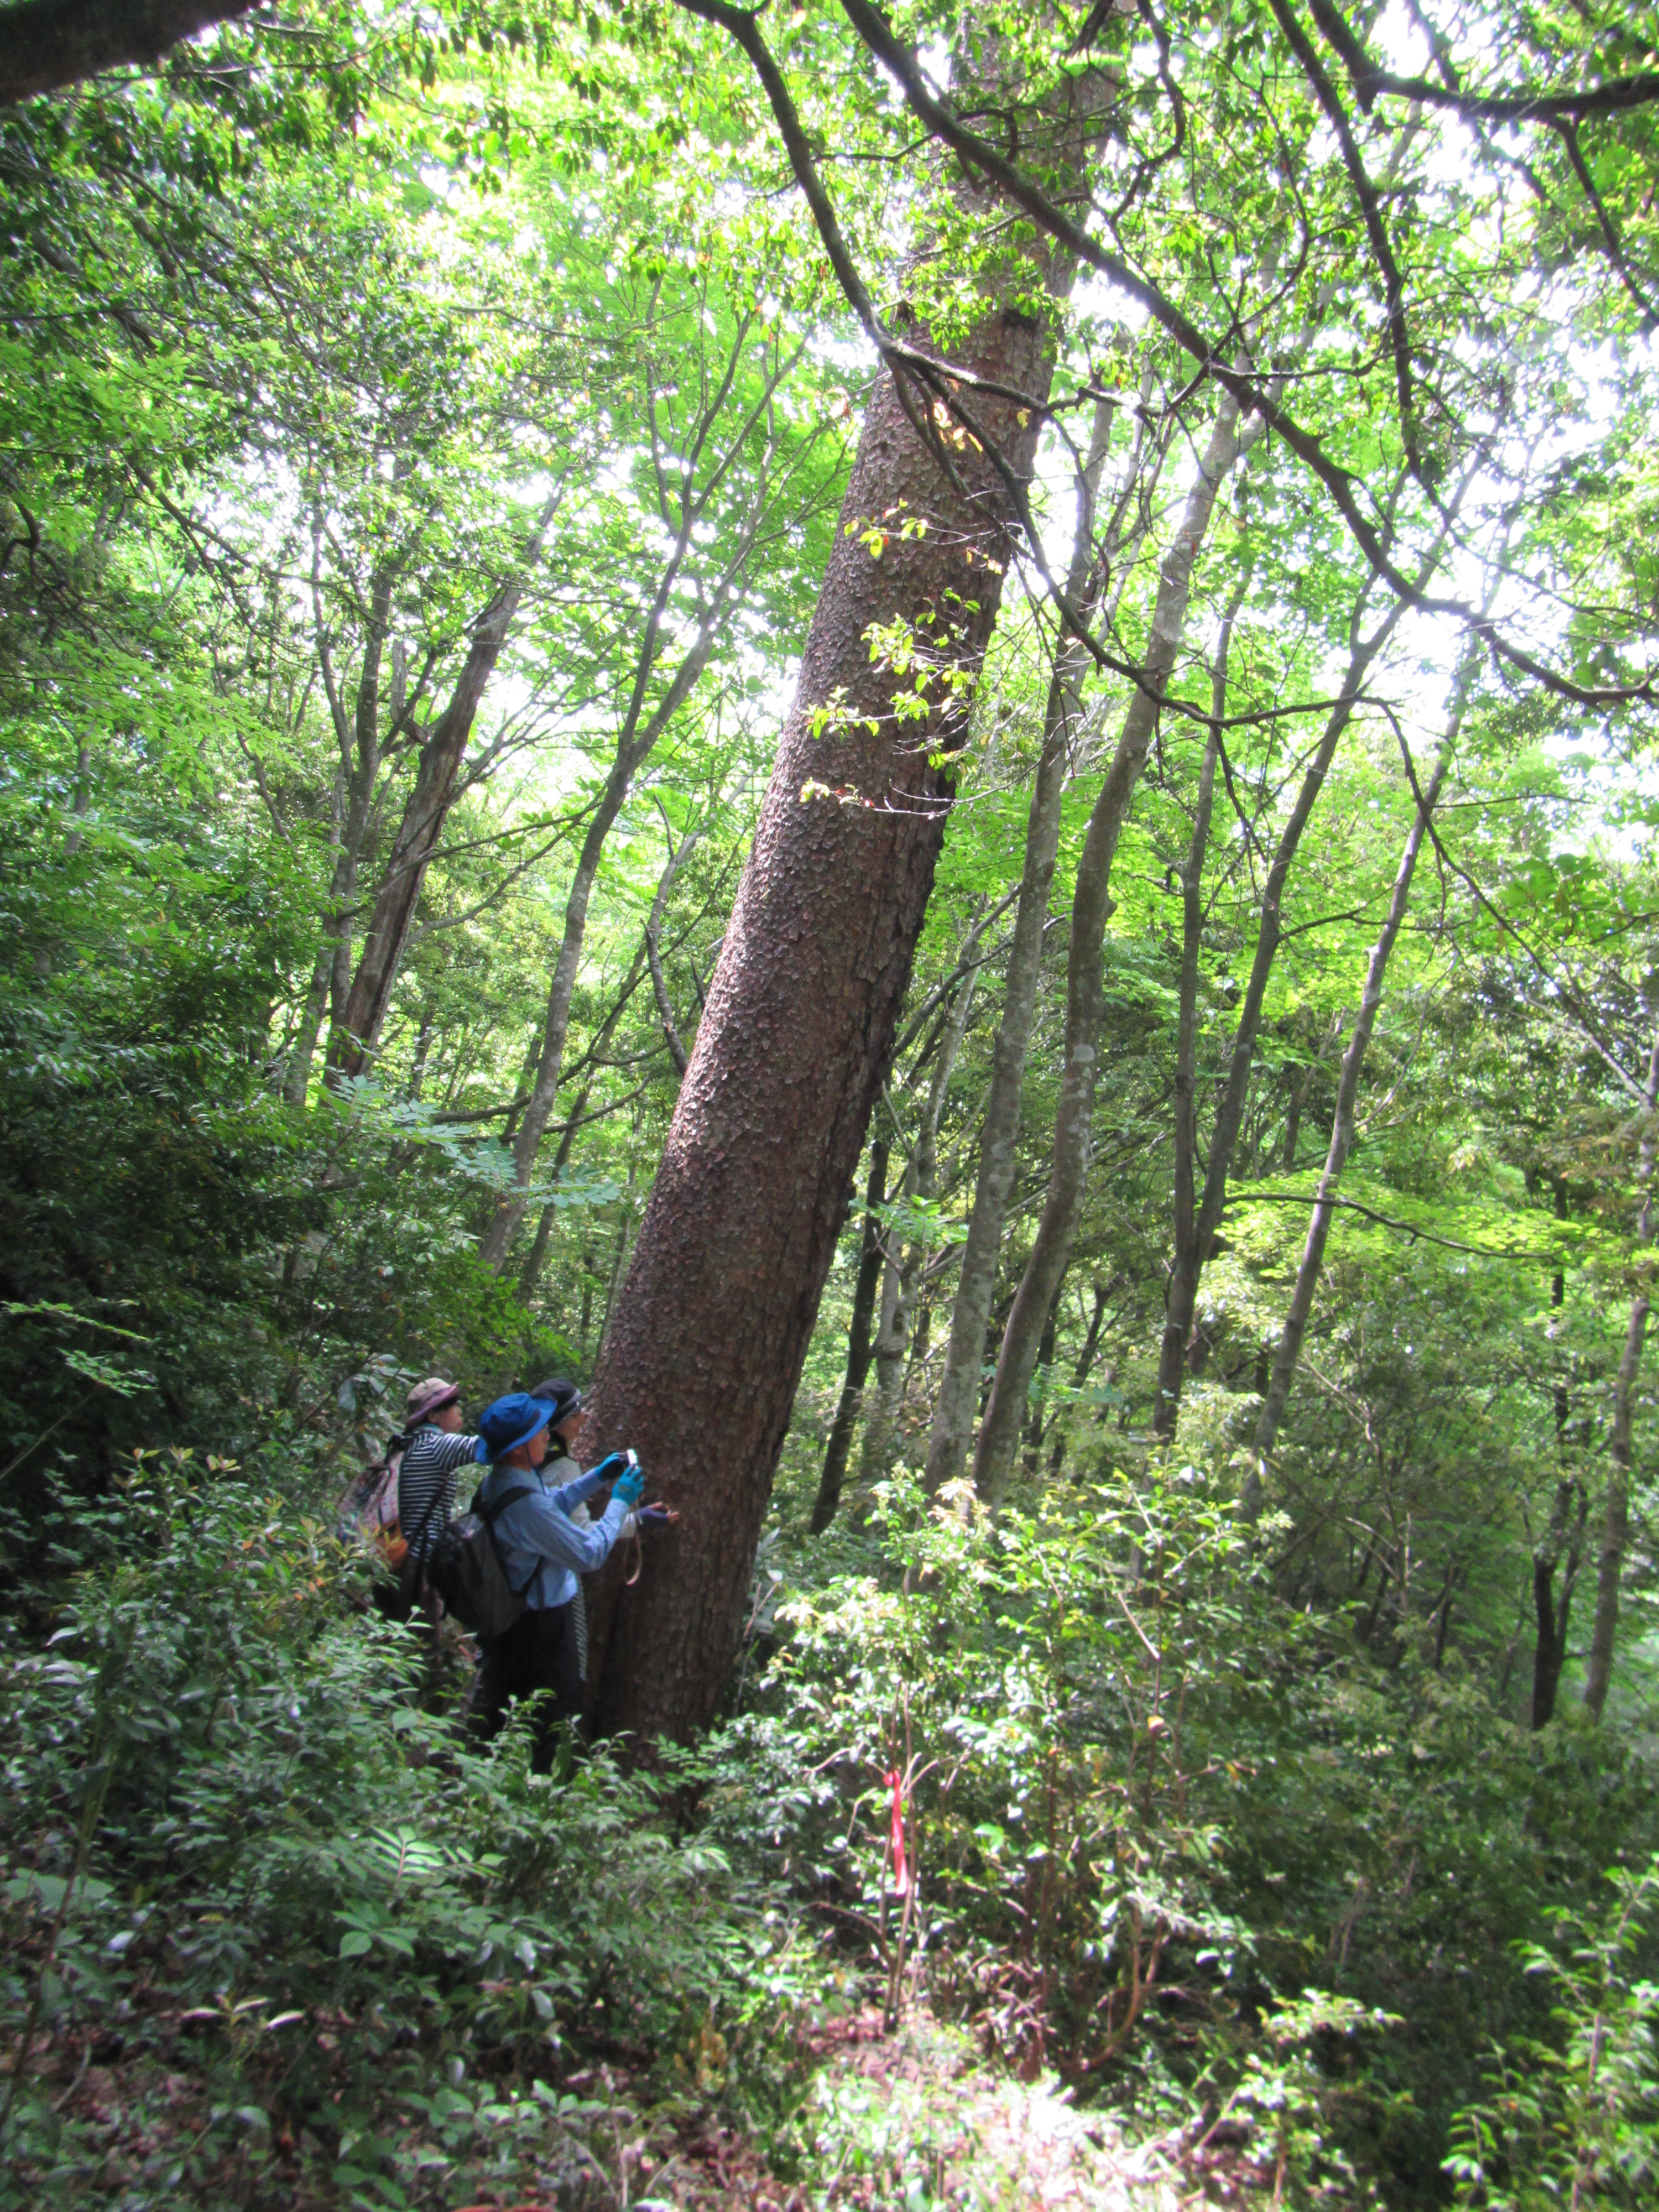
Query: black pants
x,y
538,1652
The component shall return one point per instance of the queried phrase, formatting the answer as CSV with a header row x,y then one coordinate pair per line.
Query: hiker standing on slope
x,y
544,1550
438,1444
559,1468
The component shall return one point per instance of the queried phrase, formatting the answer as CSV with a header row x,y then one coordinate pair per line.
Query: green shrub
x,y
1575,2121
1152,1807
234,1840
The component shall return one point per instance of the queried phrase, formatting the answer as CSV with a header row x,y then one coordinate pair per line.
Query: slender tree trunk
x,y
1092,906
639,737
1191,1256
1045,1360
302,1047
702,1361
957,1402
892,1330
1616,1525
422,1049
640,727
1296,1092
357,734
437,778
1085,1361
1186,1074
860,1343
1288,1348
1565,1533
529,1274
670,1035
903,1276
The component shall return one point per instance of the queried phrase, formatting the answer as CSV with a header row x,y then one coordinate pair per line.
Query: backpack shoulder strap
x,y
488,1513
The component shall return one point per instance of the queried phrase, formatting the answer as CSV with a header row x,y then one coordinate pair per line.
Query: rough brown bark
x,y
47,44
1615,1524
1288,1348
999,1436
701,1364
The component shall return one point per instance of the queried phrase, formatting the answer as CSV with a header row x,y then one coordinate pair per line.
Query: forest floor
x,y
912,2118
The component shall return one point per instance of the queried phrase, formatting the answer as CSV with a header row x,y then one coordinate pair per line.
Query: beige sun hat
x,y
429,1397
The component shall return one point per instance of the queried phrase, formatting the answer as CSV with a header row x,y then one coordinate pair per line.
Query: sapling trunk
x,y
1347,1093
903,1276
1192,1250
959,1390
1192,937
859,1346
1615,1524
437,783
1084,994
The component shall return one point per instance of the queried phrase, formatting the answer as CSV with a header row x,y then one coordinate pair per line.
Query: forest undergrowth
x,y
920,736
1251,1913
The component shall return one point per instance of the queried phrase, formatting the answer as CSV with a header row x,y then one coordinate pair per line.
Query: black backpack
x,y
466,1567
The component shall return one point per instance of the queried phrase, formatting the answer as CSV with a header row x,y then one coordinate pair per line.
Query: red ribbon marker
x,y
901,1872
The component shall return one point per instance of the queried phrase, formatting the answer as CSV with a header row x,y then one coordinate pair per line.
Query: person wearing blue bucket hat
x,y
543,1549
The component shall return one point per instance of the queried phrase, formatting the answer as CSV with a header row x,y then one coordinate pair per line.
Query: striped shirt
x,y
428,1472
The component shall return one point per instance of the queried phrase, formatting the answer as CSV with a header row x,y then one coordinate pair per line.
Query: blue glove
x,y
655,1516
630,1488
610,1467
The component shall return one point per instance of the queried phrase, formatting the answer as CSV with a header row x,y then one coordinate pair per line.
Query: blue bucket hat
x,y
510,1422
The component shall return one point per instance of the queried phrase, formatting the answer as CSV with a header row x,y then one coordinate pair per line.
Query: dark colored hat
x,y
510,1422
564,1397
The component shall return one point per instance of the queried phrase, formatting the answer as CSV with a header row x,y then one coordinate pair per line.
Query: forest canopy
x,y
923,739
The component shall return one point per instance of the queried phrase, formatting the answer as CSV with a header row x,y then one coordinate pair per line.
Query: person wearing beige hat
x,y
438,1444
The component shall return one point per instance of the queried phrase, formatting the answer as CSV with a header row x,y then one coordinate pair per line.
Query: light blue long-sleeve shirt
x,y
543,1549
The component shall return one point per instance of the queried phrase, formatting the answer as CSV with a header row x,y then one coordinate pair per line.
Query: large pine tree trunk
x,y
705,1348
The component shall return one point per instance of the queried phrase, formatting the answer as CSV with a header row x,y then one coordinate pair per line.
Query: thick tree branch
x,y
1616,98
47,44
